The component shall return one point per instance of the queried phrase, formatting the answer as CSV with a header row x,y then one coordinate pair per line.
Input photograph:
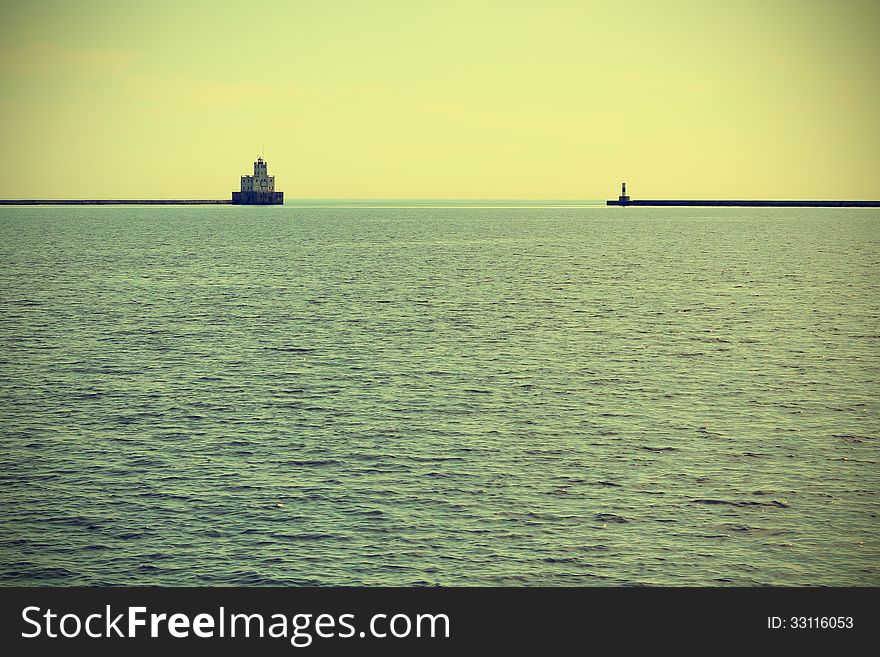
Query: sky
x,y
545,99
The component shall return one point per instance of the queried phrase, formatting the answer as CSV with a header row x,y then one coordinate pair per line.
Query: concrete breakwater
x,y
258,189
748,203
104,201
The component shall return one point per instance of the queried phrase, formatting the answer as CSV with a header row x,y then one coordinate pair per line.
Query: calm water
x,y
439,395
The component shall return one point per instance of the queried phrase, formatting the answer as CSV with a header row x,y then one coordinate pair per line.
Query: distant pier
x,y
258,189
752,204
625,200
108,201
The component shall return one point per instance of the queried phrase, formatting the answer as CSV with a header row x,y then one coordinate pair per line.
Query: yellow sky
x,y
547,99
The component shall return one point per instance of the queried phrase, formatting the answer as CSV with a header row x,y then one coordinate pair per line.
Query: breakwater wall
x,y
104,201
751,204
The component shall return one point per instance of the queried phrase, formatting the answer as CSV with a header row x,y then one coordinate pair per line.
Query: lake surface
x,y
386,395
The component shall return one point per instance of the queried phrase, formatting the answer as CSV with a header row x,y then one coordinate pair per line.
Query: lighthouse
x,y
623,199
258,189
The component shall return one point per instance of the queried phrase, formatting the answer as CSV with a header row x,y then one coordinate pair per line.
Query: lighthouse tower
x,y
258,189
623,199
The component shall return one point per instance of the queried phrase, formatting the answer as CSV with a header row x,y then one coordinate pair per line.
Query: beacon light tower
x,y
623,199
258,189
